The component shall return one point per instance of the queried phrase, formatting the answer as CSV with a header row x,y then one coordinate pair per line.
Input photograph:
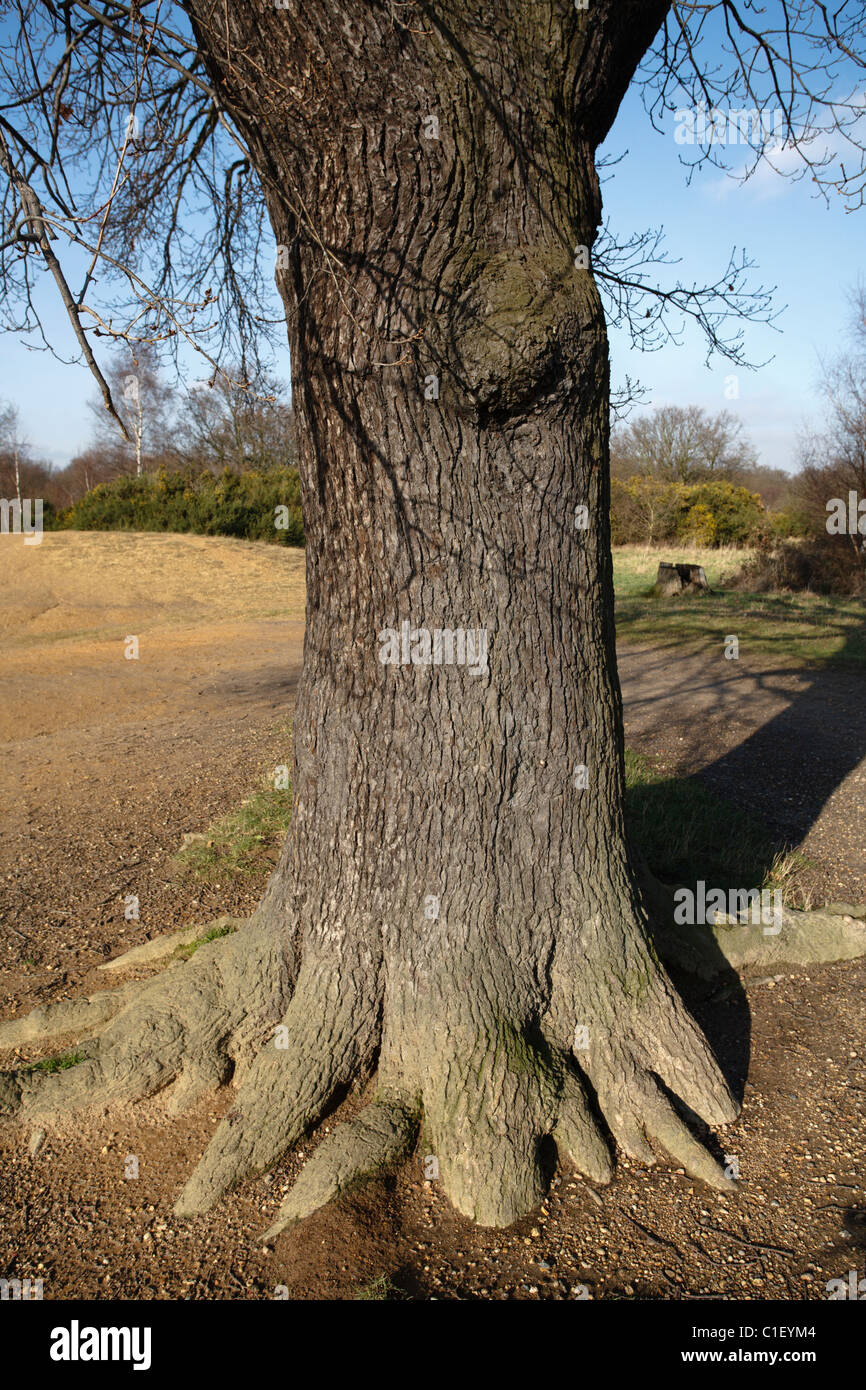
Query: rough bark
x,y
454,909
453,260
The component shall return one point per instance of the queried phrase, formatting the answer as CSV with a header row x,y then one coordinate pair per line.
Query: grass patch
x,y
60,1063
797,629
240,842
380,1289
684,833
635,566
189,948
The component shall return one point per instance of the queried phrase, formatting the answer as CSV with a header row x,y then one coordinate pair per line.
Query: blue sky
x,y
812,253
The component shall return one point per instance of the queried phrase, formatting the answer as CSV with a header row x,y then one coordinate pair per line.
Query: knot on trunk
x,y
517,326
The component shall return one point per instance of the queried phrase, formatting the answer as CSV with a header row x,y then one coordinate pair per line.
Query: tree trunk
x,y
454,909
457,872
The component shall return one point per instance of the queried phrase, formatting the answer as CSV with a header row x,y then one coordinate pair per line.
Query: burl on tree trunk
x,y
454,923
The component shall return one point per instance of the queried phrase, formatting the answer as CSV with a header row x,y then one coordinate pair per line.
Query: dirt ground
x,y
109,761
787,744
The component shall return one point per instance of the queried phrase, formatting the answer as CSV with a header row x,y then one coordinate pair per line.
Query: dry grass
x,y
88,588
635,566
101,584
800,629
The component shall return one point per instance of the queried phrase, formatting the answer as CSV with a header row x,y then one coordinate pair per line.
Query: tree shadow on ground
x,y
728,824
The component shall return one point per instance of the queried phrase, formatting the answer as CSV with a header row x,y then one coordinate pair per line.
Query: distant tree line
x,y
226,426
681,474
833,460
682,477
678,473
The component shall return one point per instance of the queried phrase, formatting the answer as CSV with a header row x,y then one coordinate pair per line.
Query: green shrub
x,y
698,526
790,523
233,504
644,510
736,513
649,511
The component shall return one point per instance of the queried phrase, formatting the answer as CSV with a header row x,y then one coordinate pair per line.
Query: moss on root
x,y
189,948
62,1062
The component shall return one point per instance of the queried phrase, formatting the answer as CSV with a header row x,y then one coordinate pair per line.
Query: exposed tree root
x,y
610,1055
79,1017
160,947
378,1137
636,1040
191,1025
804,938
833,933
577,1134
330,1036
488,1101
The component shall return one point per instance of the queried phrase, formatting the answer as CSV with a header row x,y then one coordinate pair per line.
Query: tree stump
x,y
680,579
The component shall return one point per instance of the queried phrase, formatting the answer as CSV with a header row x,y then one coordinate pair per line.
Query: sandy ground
x,y
108,762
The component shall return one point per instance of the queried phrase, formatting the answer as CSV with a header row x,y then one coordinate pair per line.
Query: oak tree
x,y
456,921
